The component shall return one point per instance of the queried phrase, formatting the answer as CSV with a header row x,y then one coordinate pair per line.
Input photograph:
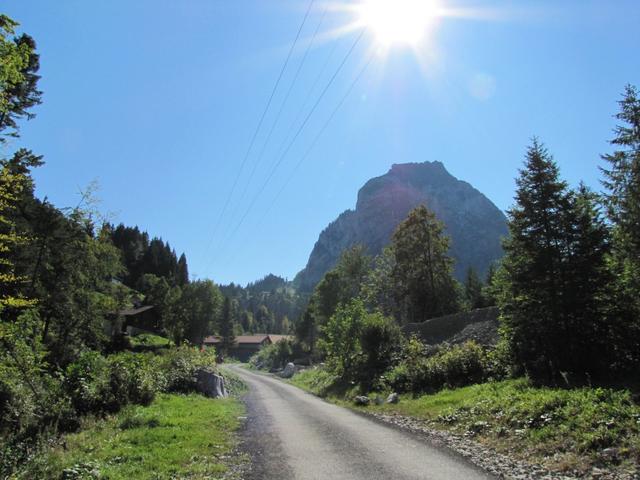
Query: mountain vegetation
x,y
569,328
65,274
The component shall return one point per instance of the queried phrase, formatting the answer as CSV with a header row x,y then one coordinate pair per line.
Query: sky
x,y
158,102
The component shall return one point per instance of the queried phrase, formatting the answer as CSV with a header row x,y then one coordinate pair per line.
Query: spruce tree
x,y
530,300
226,327
182,277
473,290
622,178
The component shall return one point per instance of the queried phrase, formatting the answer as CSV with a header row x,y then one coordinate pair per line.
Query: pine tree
x,y
622,198
622,178
473,290
422,272
226,327
182,277
530,302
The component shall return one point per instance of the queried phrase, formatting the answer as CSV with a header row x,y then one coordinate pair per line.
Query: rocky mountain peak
x,y
473,222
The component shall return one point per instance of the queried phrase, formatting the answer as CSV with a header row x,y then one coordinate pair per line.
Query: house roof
x,y
279,338
128,312
240,339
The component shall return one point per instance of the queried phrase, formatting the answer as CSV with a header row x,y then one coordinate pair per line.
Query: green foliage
x,y
380,342
19,64
449,367
265,306
179,367
554,283
228,338
276,355
359,346
422,274
473,291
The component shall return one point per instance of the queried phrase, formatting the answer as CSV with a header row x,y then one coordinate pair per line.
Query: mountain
x,y
473,222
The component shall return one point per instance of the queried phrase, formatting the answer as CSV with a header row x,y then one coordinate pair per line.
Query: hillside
x,y
473,222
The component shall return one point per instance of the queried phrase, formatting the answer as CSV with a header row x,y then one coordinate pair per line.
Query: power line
x,y
322,130
295,137
258,127
279,114
319,135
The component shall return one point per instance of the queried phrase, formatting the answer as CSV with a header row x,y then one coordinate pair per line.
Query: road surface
x,y
292,434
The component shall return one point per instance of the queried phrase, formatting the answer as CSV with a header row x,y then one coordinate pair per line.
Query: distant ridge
x,y
473,222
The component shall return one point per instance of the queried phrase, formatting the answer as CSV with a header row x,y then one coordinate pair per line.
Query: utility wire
x,y
318,136
284,102
295,137
258,127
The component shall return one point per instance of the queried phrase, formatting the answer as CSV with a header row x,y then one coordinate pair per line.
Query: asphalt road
x,y
291,434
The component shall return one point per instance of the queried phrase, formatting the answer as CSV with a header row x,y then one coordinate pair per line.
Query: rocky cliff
x,y
473,222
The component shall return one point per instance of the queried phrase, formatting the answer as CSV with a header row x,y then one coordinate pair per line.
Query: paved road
x,y
294,435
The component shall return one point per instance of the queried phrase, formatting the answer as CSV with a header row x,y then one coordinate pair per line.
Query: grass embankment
x,y
563,429
177,436
149,342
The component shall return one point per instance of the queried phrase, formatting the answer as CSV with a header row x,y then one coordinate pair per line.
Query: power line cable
x,y
318,136
279,114
295,137
258,127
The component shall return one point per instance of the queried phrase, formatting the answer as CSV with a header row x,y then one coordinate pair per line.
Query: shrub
x,y
276,355
380,342
180,366
450,367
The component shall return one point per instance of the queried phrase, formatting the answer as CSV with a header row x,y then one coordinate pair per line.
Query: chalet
x,y
246,345
132,321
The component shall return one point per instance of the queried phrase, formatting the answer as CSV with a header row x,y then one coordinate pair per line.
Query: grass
x,y
149,341
570,430
177,436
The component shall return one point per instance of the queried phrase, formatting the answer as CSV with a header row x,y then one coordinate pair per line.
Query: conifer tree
x,y
622,179
422,273
530,302
226,327
473,290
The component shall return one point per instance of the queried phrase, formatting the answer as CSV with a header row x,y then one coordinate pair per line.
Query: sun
x,y
399,22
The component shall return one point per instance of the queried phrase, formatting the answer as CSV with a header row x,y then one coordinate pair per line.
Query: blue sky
x,y
158,100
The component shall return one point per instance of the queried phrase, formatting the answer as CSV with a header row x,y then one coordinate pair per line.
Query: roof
x,y
279,338
240,339
128,312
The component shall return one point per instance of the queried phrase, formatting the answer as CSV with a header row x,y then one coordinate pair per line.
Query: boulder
x,y
393,398
210,384
361,400
288,371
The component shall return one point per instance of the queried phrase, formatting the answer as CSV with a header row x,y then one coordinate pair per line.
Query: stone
x,y
361,400
210,384
393,398
288,371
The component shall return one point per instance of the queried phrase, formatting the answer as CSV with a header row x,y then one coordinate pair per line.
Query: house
x,y
245,345
132,321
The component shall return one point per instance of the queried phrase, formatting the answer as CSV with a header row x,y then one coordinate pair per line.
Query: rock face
x,y
473,222
210,384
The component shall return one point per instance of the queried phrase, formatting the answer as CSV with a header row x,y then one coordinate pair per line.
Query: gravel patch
x,y
488,459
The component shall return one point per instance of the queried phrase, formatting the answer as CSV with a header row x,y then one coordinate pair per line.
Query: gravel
x,y
488,459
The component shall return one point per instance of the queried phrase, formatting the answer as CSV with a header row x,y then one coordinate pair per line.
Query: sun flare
x,y
399,21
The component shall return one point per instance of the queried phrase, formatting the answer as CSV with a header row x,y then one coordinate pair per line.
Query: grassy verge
x,y
565,430
177,436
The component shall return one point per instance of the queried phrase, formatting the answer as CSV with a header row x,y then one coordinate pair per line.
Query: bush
x,y
380,342
180,366
450,367
276,355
